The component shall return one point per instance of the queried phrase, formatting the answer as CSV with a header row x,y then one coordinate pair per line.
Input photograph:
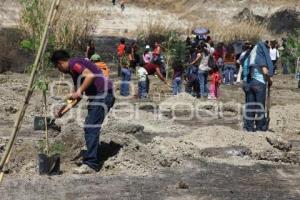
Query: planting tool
x,y
268,105
39,124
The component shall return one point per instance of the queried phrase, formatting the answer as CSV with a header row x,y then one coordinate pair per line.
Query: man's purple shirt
x,y
99,85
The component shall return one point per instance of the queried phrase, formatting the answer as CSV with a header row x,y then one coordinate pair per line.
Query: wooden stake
x,y
46,124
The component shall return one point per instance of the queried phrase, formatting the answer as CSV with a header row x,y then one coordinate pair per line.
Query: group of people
x,y
149,63
254,66
209,67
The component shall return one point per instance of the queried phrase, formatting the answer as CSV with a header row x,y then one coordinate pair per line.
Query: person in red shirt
x,y
153,69
121,52
215,83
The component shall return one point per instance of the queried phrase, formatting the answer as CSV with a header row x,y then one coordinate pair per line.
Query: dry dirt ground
x,y
169,148
163,148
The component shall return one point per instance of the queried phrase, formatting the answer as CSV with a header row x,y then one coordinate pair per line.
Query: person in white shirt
x,y
274,54
142,84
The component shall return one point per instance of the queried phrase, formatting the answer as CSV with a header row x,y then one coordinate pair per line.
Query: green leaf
x,y
27,45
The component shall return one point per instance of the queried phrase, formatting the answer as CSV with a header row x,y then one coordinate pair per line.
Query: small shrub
x,y
54,148
27,45
291,52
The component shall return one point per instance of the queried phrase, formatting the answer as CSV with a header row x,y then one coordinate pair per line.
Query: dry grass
x,y
232,32
74,25
71,29
156,29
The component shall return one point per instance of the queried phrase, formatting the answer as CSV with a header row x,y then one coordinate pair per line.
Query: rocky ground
x,y
167,147
162,148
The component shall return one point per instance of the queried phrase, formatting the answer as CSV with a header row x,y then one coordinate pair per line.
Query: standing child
x,y
101,65
142,84
215,83
229,65
125,74
121,52
274,54
177,78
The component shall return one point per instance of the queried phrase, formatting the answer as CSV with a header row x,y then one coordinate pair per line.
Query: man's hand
x,y
58,114
266,75
270,82
75,95
167,83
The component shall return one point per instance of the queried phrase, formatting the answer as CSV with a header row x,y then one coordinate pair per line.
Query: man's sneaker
x,y
83,169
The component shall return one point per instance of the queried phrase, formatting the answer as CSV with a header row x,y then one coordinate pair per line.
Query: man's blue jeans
x,y
142,89
98,107
177,86
254,115
125,84
229,74
202,78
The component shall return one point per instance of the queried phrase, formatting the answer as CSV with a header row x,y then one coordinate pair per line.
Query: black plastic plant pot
x,y
49,165
39,123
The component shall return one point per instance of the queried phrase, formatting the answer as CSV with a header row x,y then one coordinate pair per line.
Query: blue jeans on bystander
x,y
202,79
229,72
254,116
125,84
142,89
177,85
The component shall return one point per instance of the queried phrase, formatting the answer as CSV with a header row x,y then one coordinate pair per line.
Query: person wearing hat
x,y
97,60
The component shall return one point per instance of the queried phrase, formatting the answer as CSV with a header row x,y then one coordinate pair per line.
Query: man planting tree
x,y
88,79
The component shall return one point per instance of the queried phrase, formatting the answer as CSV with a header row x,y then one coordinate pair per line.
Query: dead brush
x,y
156,30
229,33
71,28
